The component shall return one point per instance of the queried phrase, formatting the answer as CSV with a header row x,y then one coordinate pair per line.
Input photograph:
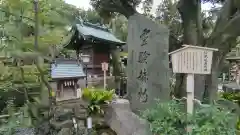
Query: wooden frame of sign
x,y
104,69
192,60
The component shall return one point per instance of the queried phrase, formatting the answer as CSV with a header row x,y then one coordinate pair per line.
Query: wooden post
x,y
62,90
190,92
224,77
190,98
104,69
104,79
237,77
75,88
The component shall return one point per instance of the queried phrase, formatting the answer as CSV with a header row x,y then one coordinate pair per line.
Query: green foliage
x,y
10,108
91,16
12,85
170,119
234,97
33,113
17,28
17,24
53,12
119,26
96,98
11,79
8,126
29,115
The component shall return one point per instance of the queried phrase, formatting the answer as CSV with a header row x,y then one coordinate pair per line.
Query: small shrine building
x,y
92,40
66,74
97,42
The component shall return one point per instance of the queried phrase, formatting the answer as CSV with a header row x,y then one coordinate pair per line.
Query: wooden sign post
x,y
192,60
104,69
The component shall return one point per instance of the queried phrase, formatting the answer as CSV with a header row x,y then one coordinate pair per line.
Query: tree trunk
x,y
223,37
211,81
179,90
116,67
190,13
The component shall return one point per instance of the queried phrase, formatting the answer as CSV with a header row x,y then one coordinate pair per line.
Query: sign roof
x,y
191,46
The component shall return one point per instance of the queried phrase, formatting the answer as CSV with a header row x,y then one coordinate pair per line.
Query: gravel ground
x,y
25,131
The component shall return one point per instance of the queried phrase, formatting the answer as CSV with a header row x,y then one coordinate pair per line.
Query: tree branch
x,y
230,32
232,27
222,20
23,82
192,22
43,77
199,25
127,7
174,43
7,115
224,15
120,6
28,18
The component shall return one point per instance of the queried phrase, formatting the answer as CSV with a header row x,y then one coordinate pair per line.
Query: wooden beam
x,y
7,115
62,94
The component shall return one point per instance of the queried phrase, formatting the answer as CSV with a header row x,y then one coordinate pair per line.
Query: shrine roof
x,y
233,58
66,69
232,85
98,31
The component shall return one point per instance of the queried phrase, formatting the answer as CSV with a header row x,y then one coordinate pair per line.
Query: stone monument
x,y
148,62
123,121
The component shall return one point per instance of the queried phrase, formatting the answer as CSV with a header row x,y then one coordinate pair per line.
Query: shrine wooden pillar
x,y
75,88
58,89
61,93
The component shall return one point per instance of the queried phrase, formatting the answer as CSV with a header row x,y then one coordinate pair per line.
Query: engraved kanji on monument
x,y
147,69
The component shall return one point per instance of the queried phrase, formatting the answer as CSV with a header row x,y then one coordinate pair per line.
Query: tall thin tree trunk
x,y
192,35
189,16
179,90
115,58
211,81
116,66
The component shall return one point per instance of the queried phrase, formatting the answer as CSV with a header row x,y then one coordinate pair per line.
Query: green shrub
x,y
96,98
9,126
170,119
234,97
